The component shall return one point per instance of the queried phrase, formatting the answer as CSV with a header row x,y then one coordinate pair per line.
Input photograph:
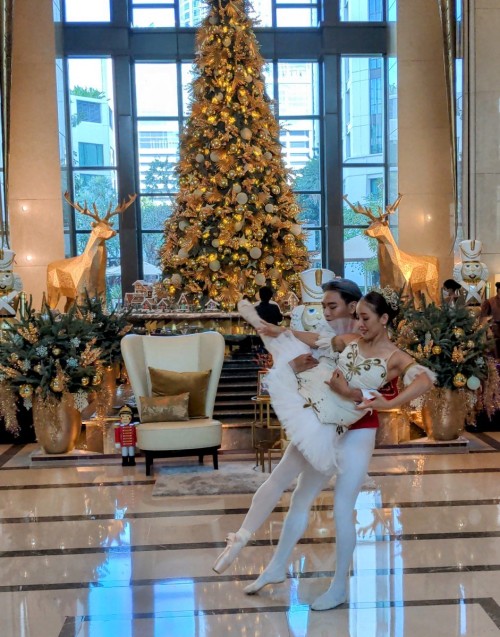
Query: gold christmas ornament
x,y
25,391
458,332
56,351
97,379
85,381
37,369
56,385
14,357
459,380
246,134
437,350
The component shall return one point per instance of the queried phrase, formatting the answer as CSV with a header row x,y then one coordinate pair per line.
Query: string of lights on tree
x,y
235,226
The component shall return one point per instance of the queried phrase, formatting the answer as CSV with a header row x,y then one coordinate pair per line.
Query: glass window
x,y
90,154
153,18
261,11
298,88
305,134
362,10
153,90
360,259
151,244
94,187
295,17
192,12
158,145
91,104
363,109
154,212
363,184
88,11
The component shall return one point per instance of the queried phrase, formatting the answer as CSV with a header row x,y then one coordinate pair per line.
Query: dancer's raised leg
x,y
263,502
356,448
309,486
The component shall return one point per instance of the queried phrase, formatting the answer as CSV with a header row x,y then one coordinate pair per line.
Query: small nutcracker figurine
x,y
126,436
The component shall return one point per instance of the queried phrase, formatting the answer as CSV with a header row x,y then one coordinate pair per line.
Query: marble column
x,y
35,202
483,93
426,219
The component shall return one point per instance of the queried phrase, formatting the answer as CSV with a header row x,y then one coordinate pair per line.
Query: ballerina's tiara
x,y
390,296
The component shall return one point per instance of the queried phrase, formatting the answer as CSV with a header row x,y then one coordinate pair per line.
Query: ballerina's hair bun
x,y
383,301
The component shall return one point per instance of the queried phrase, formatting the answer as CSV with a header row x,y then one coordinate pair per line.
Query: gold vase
x,y
443,414
57,423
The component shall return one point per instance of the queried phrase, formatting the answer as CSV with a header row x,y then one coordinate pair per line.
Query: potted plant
x,y
52,362
452,343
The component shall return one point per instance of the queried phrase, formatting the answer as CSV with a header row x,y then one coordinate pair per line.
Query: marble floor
x,y
88,552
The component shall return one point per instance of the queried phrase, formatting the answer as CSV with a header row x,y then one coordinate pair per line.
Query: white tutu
x,y
317,442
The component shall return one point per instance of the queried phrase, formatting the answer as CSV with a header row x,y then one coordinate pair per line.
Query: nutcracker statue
x,y
309,315
126,436
471,272
10,291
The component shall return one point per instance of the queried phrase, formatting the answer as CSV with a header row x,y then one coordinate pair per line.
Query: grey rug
x,y
232,477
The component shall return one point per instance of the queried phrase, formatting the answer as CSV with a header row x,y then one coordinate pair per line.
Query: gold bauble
x,y
85,381
459,380
231,174
275,190
56,351
14,357
470,344
258,234
216,143
437,350
223,182
458,332
97,379
25,391
243,259
246,134
56,385
37,369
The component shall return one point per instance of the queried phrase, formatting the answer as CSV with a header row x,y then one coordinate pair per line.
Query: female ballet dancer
x,y
367,361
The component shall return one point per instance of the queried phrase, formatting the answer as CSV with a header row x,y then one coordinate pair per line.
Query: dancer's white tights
x,y
356,450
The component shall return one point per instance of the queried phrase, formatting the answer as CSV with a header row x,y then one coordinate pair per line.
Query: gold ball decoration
x,y
223,182
214,265
216,143
231,174
437,350
274,273
37,369
459,380
275,190
14,357
56,351
240,208
56,385
268,155
85,381
470,344
458,332
243,259
25,391
246,134
238,226
97,379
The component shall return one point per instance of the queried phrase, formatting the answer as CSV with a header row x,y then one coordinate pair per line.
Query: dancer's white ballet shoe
x,y
265,578
235,542
330,599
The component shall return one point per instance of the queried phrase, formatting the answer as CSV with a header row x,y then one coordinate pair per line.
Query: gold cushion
x,y
167,383
164,408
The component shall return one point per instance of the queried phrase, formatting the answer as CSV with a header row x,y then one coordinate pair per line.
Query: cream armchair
x,y
188,353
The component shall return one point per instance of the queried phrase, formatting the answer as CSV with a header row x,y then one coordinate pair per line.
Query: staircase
x,y
237,385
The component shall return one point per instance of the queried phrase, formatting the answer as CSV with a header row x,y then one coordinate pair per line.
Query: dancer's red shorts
x,y
370,420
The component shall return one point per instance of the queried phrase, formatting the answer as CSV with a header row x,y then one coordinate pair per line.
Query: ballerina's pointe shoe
x,y
265,578
235,542
330,599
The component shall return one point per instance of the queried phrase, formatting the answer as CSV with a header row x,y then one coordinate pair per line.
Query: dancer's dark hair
x,y
380,306
348,290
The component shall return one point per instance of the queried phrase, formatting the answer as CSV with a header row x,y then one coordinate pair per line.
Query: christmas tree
x,y
235,225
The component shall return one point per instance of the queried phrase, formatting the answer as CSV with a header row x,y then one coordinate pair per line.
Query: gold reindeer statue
x,y
412,273
86,272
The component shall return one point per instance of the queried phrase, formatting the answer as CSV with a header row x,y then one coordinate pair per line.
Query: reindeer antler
x,y
362,210
84,211
390,209
121,208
